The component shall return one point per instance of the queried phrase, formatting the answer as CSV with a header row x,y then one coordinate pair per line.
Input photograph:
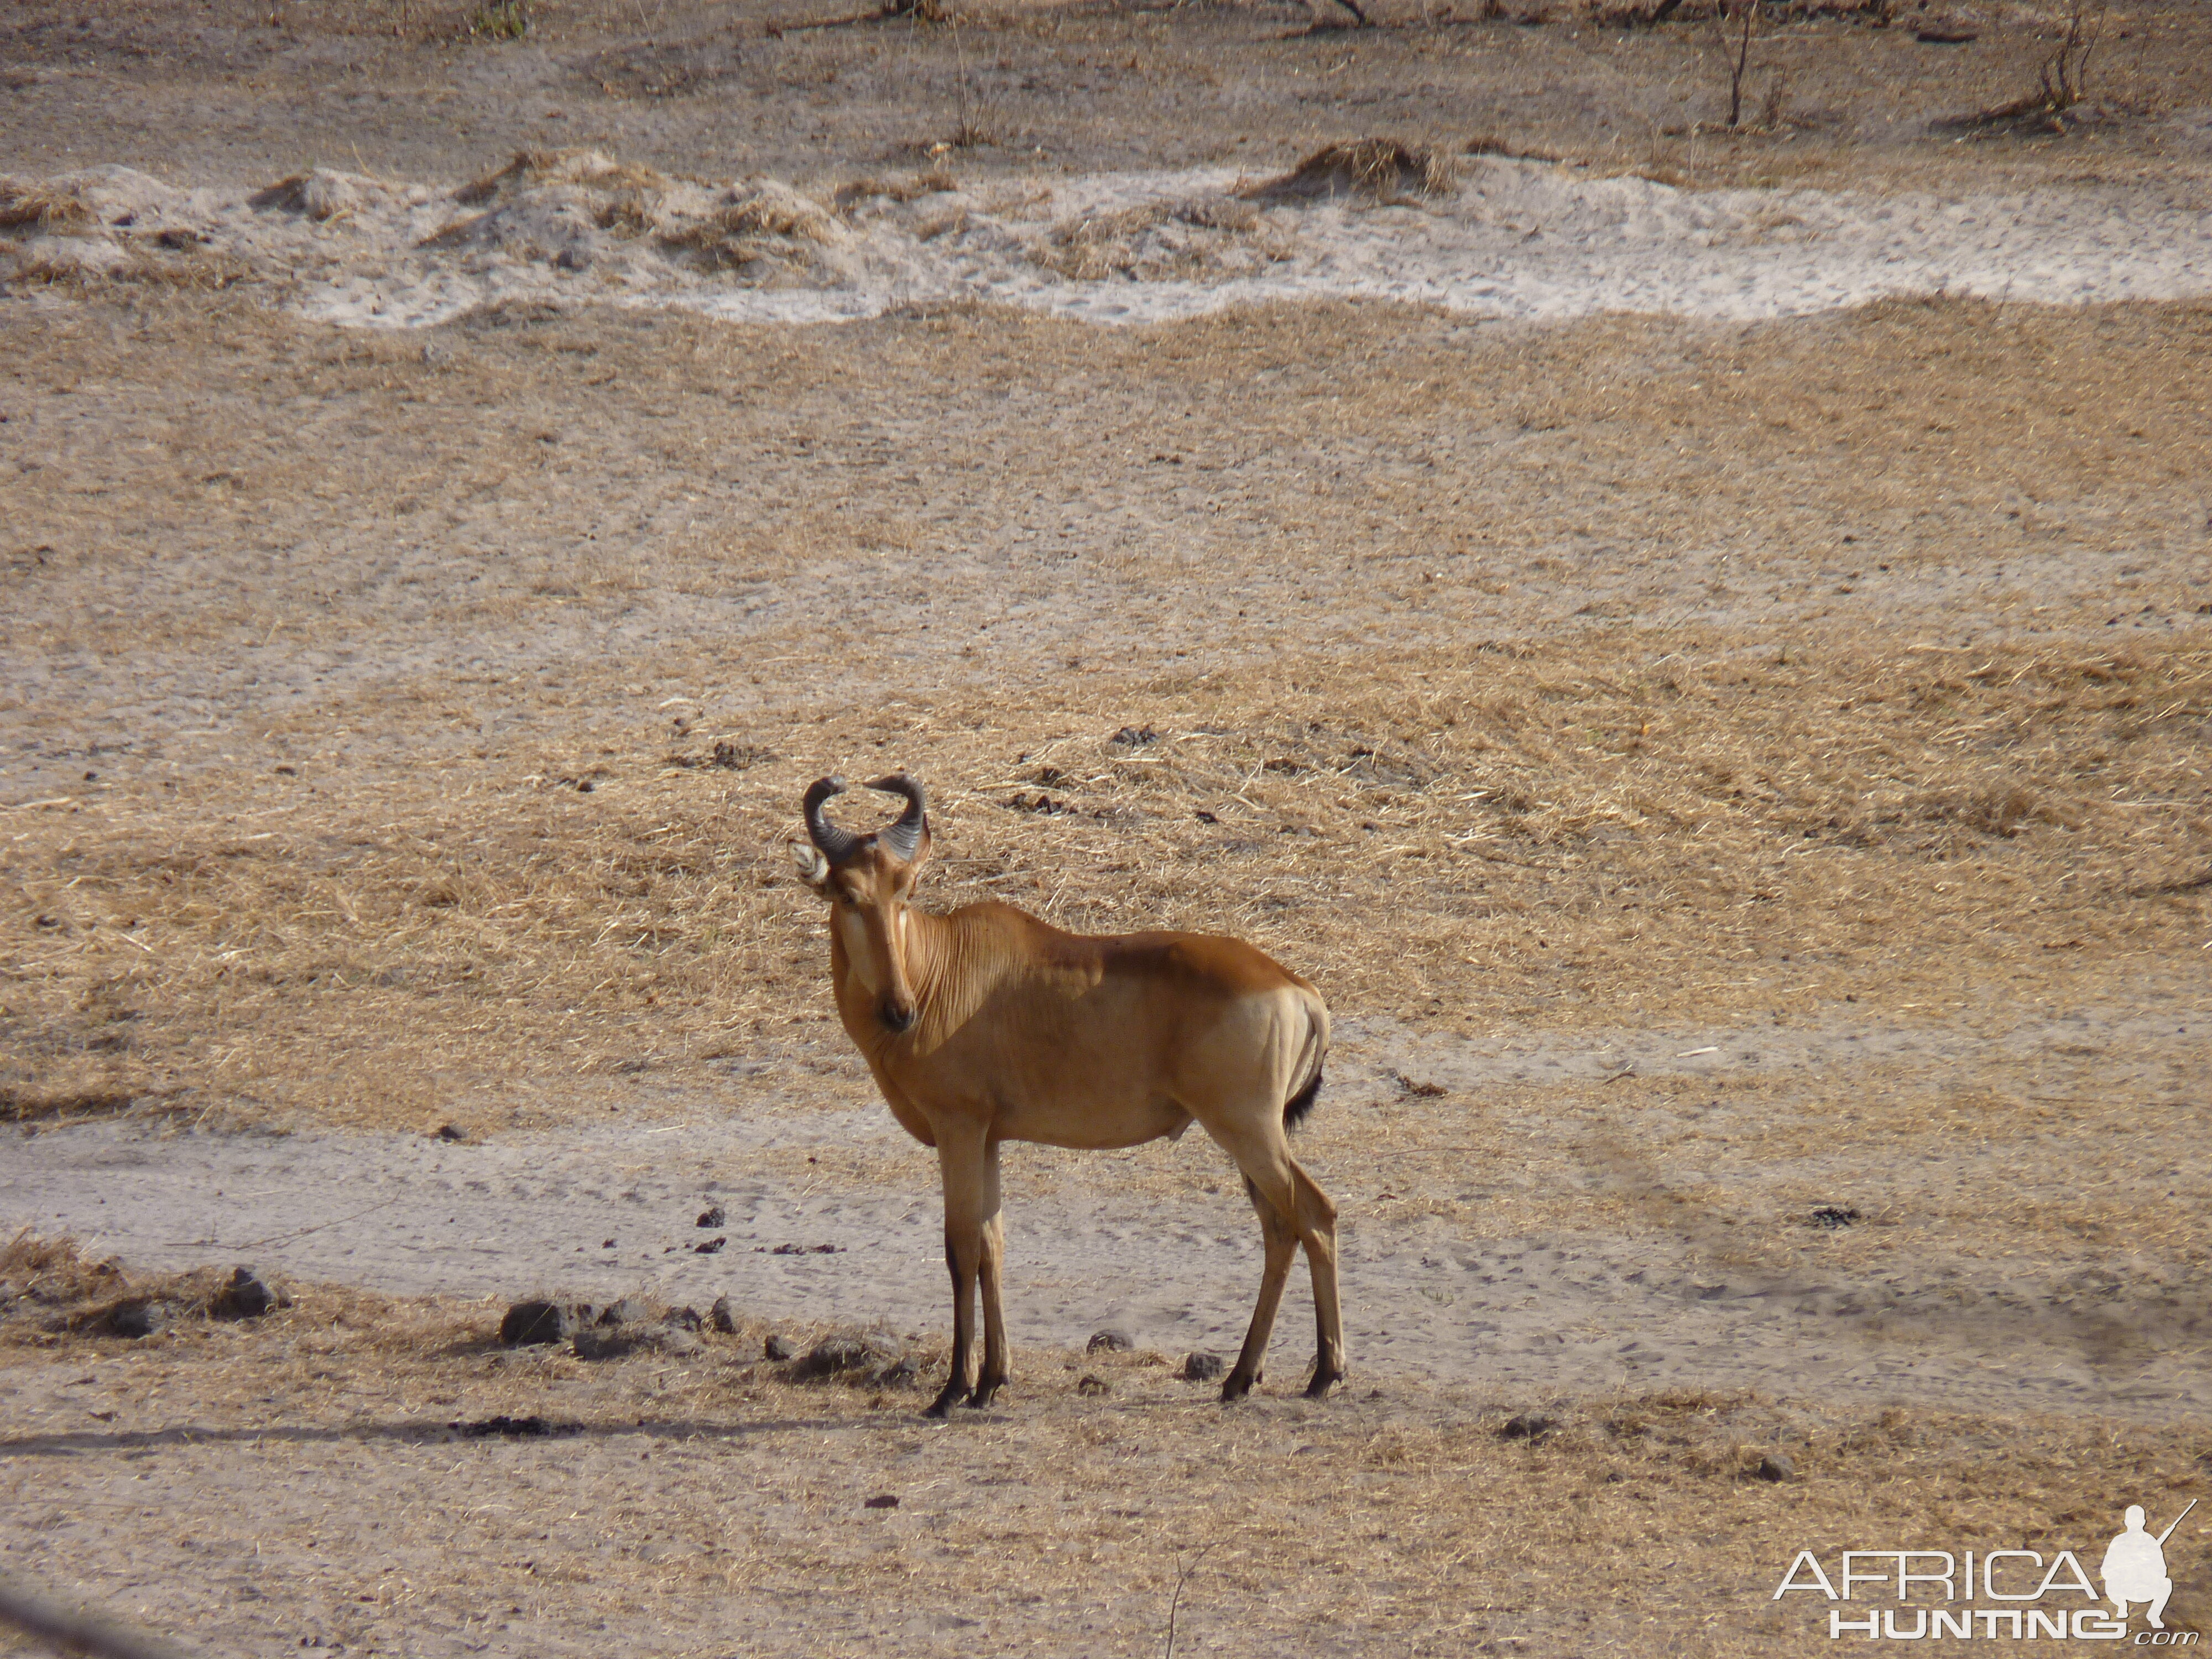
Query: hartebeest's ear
x,y
813,868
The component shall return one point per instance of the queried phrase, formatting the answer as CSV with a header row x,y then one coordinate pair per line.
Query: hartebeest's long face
x,y
868,880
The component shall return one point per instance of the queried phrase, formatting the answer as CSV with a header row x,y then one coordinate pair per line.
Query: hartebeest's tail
x,y
1316,1046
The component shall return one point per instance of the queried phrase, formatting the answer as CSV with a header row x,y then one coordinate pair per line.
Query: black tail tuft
x,y
1295,1107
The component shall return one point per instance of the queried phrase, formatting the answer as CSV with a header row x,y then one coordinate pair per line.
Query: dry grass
x,y
675,1496
1440,719
44,210
1158,241
1547,837
1380,169
534,167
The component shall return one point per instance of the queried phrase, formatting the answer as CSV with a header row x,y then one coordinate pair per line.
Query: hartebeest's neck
x,y
899,953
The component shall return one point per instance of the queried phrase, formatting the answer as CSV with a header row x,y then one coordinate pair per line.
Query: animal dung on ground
x,y
245,1297
713,1216
530,1324
885,1500
1527,1425
724,1319
605,1342
778,1345
1776,1466
1093,1386
1108,1340
1834,1215
140,1316
613,1341
1202,1367
871,1355
707,1246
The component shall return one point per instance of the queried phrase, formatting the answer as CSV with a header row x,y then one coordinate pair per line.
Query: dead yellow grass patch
x,y
1546,837
1381,168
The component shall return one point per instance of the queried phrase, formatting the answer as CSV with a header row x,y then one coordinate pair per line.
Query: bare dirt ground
x,y
1720,772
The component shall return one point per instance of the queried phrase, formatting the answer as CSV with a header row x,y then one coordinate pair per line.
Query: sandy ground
x,y
1702,646
332,1476
1488,1268
1491,237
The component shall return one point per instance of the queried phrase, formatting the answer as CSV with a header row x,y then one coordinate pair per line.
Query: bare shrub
x,y
500,20
1738,56
1776,104
2062,78
2065,74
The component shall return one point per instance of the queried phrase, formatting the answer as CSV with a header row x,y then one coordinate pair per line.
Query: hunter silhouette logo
x,y
1997,1594
2134,1566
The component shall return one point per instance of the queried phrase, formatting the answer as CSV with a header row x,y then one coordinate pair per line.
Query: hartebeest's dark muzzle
x,y
895,1016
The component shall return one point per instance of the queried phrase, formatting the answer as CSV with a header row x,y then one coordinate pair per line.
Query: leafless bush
x,y
2065,74
1738,56
2062,78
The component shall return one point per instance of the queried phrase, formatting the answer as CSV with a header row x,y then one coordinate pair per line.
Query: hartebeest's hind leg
x,y
995,1370
1282,1246
1276,1180
973,1249
1316,1225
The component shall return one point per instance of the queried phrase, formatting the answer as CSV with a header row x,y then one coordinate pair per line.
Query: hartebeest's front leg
x,y
970,1171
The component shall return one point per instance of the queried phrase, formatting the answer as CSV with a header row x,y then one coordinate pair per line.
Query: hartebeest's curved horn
x,y
837,845
904,836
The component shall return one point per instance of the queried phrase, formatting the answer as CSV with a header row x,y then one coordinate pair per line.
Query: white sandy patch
x,y
1516,239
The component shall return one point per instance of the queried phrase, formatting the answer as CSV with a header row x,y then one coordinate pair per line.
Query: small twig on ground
x,y
1175,1603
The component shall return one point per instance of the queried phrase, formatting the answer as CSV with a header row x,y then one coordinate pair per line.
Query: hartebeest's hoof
x,y
1235,1388
1321,1383
983,1394
942,1406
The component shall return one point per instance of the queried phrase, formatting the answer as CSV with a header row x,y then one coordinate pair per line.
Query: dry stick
x,y
1182,1574
77,1630
1742,61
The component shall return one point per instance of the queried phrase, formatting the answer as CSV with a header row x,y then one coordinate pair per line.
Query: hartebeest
x,y
988,1025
